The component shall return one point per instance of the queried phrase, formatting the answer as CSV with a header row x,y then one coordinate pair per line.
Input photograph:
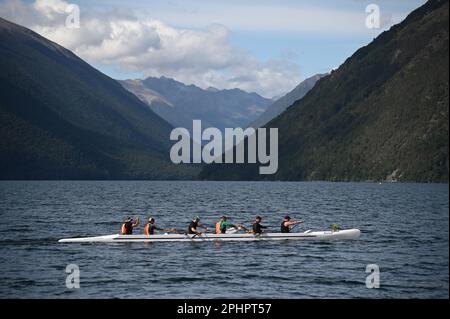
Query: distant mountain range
x,y
179,104
283,102
62,119
382,115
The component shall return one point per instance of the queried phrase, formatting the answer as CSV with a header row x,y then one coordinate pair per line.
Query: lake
x,y
404,230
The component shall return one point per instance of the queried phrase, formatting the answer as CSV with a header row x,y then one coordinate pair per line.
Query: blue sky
x,y
314,52
262,46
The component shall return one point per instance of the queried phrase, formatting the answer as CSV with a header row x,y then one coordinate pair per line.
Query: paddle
x,y
241,227
195,235
172,230
180,232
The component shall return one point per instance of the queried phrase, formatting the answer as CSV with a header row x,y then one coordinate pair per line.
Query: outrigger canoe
x,y
308,235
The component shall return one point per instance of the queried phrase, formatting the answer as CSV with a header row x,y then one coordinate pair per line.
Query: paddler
x,y
194,224
151,227
257,228
128,225
288,224
224,223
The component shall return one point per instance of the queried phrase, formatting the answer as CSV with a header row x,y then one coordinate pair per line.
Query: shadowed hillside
x,y
382,115
62,119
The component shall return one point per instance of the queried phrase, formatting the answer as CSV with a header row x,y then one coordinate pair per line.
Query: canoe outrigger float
x,y
308,235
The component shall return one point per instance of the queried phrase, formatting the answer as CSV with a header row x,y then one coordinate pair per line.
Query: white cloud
x,y
50,9
203,57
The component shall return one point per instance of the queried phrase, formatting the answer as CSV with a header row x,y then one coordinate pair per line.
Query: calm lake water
x,y
405,231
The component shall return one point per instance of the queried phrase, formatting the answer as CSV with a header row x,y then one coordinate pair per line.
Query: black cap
x,y
287,217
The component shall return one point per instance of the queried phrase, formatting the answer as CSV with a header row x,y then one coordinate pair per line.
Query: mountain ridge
x,y
216,108
381,116
64,119
283,102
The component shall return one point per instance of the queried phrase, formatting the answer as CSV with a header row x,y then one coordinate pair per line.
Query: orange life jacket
x,y
218,226
127,230
146,229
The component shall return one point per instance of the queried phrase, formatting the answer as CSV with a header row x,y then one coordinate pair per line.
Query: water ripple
x,y
404,230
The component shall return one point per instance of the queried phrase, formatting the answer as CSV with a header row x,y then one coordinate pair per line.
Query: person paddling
x,y
257,228
288,224
223,224
194,224
128,225
151,227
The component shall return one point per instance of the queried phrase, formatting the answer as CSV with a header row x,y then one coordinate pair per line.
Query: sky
x,y
267,47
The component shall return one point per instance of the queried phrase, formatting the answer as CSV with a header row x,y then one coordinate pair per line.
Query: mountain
x,y
62,119
382,115
179,104
282,103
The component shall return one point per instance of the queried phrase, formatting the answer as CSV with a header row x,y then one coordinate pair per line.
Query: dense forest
x,y
62,119
382,115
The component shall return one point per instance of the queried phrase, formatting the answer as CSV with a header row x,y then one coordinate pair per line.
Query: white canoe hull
x,y
317,235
